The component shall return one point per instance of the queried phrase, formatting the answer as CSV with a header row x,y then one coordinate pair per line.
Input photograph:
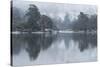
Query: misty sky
x,y
57,9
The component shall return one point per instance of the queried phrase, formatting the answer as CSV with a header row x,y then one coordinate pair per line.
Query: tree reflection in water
x,y
33,46
85,40
32,43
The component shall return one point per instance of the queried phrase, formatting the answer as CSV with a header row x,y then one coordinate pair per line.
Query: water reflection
x,y
85,40
33,44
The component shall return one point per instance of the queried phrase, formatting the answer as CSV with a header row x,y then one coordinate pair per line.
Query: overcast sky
x,y
57,9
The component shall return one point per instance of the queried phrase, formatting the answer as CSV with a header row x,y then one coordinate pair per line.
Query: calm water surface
x,y
32,49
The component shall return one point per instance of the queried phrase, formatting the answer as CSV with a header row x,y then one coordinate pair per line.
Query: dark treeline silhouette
x,y
33,21
85,22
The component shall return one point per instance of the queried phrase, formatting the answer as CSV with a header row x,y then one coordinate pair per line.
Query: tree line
x,y
85,22
33,20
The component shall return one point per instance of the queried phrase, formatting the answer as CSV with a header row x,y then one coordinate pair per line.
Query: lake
x,y
48,48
